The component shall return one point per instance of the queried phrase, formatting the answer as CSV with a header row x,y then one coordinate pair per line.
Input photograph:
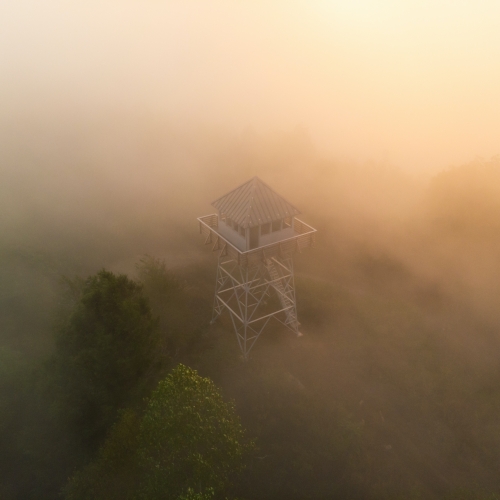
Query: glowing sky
x,y
414,82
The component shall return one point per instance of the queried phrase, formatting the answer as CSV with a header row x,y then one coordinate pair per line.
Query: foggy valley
x,y
393,390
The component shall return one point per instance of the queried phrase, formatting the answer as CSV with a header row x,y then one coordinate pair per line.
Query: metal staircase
x,y
285,294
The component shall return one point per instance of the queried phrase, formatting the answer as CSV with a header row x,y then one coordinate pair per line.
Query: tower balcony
x,y
299,236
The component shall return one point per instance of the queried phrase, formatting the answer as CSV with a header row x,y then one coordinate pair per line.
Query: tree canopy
x,y
102,351
187,445
190,437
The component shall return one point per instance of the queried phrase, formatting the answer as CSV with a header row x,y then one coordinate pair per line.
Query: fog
x,y
414,83
120,122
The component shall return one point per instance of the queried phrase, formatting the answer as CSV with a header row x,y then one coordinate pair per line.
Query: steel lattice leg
x,y
243,292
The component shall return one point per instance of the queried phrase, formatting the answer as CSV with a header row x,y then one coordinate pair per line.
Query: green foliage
x,y
113,475
190,438
208,494
187,446
102,351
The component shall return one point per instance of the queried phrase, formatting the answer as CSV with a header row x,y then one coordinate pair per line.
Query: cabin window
x,y
242,231
265,228
276,225
236,227
287,222
229,222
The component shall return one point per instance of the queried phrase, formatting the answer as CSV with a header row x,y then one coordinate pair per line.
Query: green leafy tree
x,y
103,351
114,474
188,445
190,438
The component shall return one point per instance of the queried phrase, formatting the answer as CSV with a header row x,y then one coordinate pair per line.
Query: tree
x,y
103,350
114,474
190,438
187,446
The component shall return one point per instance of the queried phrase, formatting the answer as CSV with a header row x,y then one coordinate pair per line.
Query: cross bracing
x,y
245,292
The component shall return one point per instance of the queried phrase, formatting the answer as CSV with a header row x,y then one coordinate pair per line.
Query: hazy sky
x,y
412,81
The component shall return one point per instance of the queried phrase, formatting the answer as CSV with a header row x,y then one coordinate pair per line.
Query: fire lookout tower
x,y
255,233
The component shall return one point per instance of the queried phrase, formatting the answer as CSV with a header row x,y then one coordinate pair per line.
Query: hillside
x,y
393,390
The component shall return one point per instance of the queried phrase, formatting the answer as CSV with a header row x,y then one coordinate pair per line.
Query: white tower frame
x,y
246,280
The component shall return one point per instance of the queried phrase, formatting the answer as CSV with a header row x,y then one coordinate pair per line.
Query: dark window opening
x,y
265,228
287,222
276,226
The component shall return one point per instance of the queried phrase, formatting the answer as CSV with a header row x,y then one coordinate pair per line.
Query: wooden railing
x,y
304,237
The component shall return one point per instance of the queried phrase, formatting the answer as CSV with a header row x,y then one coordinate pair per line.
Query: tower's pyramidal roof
x,y
254,203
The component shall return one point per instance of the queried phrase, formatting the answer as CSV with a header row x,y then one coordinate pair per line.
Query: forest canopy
x,y
391,392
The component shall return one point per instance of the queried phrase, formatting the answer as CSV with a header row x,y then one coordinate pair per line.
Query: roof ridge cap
x,y
253,180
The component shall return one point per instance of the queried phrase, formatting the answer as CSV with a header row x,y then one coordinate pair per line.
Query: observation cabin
x,y
256,232
255,222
